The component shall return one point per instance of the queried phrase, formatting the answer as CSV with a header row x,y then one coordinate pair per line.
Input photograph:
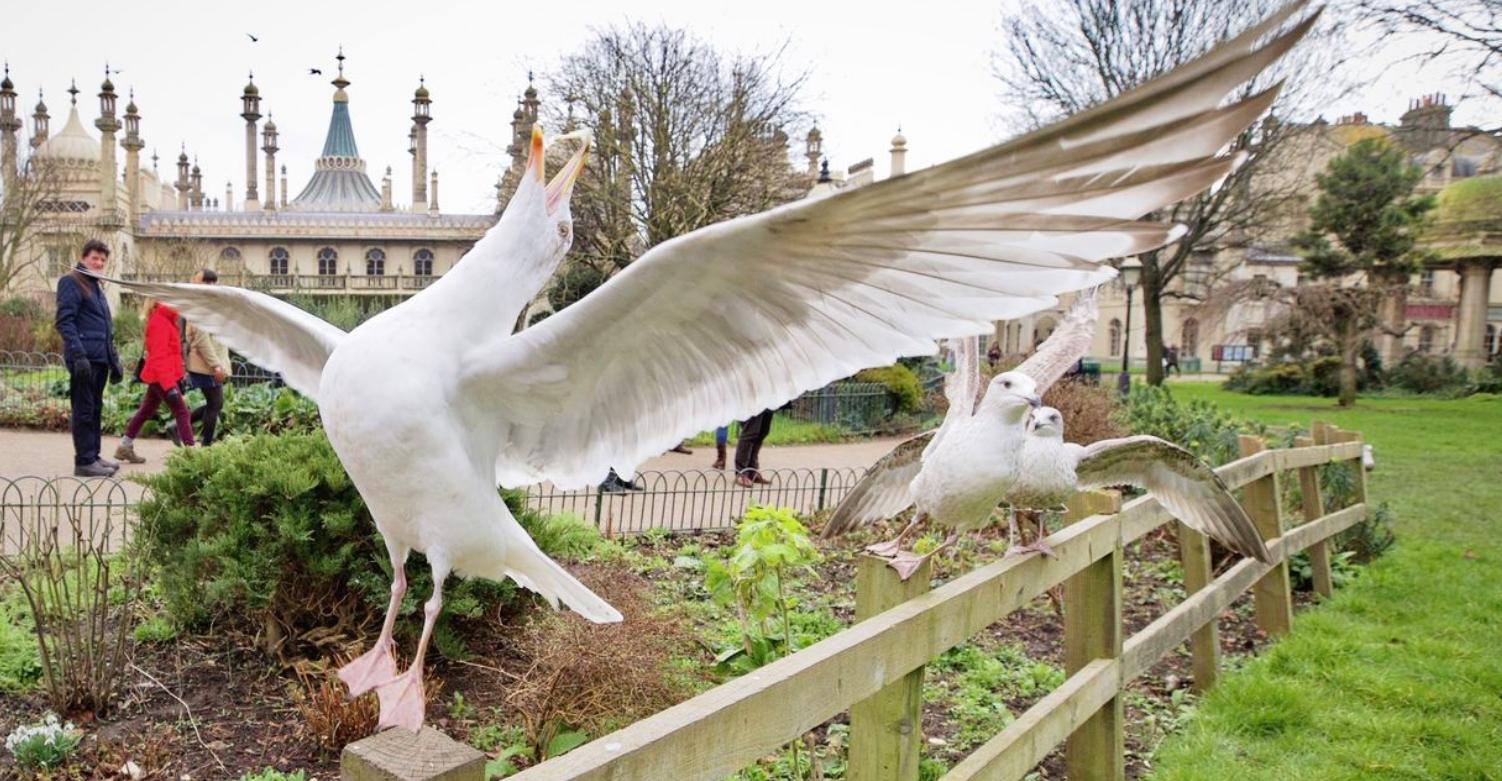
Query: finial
x,y
529,75
340,58
252,75
73,90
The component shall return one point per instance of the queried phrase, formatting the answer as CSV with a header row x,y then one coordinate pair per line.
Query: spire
x,y
339,81
339,182
899,154
73,91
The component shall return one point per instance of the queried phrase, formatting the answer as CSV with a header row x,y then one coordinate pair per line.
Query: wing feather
x,y
270,332
1066,345
1188,487
884,490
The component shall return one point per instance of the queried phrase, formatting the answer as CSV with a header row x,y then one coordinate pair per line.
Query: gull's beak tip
x,y
536,159
1035,401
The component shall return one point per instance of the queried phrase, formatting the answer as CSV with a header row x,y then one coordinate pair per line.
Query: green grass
x,y
785,431
1398,676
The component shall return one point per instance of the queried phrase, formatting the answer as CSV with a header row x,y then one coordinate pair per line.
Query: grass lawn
x,y
1400,675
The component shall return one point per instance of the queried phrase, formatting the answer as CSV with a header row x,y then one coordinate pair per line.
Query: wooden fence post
x,y
1204,644
886,729
1092,630
1337,437
399,755
1272,594
1314,507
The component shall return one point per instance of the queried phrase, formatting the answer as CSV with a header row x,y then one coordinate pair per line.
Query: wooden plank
x,y
1014,752
399,755
1251,466
1272,594
732,725
1314,507
1171,629
1095,751
886,729
1322,529
1204,644
1294,458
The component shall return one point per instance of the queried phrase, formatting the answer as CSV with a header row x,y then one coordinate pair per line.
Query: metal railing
x,y
33,509
307,283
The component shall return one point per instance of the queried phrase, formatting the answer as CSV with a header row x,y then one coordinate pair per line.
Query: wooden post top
x,y
399,755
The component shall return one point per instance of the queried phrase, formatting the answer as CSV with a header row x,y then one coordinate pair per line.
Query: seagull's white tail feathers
x,y
534,571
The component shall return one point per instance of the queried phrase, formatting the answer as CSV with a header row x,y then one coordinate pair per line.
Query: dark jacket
x,y
84,320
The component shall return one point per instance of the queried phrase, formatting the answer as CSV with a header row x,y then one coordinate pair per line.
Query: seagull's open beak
x,y
562,185
1035,401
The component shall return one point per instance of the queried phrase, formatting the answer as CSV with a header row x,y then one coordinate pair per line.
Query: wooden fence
x,y
874,669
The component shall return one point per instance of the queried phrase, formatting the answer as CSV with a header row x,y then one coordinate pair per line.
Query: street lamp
x,y
1130,272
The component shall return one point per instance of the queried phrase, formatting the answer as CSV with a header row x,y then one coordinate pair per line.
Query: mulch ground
x,y
198,709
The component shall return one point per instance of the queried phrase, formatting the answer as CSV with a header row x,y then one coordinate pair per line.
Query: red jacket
x,y
164,348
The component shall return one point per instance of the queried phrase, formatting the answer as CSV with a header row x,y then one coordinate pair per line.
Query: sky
x,y
873,67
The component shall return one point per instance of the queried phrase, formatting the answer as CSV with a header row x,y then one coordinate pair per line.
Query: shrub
x,y
272,774
900,381
268,532
1199,426
1090,411
44,745
1419,373
260,408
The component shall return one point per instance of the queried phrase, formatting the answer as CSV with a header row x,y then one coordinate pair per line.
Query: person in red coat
x,y
161,370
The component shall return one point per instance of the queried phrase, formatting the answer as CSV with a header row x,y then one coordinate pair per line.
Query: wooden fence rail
x,y
873,669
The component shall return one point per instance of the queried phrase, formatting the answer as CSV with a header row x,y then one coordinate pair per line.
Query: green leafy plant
x,y
770,545
272,774
44,745
157,629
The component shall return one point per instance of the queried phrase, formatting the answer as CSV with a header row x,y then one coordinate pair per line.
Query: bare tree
x,y
25,207
684,137
1062,57
177,259
1465,35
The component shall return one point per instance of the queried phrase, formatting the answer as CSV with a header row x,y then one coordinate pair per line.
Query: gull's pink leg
x,y
907,563
402,700
892,547
378,665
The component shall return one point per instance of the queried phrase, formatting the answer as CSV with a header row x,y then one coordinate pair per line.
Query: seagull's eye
x,y
564,231
1006,383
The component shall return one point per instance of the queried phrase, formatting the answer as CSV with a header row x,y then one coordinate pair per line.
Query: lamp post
x,y
1130,271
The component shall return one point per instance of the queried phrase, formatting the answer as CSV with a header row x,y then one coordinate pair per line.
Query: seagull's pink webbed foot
x,y
886,549
906,563
402,701
373,668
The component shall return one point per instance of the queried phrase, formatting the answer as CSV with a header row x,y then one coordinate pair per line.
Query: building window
x,y
422,263
279,261
229,255
1113,332
1426,283
375,263
1426,339
1254,340
1491,346
328,262
1189,337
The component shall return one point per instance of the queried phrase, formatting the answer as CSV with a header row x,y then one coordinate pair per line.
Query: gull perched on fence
x,y
1054,470
956,474
433,402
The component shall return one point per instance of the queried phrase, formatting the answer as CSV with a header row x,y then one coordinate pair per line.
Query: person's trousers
x,y
754,431
154,398
213,403
86,397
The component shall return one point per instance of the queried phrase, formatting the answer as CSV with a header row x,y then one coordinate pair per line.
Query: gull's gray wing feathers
x,y
883,491
270,332
1066,345
746,314
1188,487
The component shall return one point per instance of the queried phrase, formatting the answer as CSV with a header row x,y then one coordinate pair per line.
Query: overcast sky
x,y
924,66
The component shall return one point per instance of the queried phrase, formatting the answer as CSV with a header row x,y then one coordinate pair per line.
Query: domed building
x,y
339,234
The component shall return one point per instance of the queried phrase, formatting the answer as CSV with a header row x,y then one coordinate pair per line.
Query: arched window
x,y
422,263
1113,335
1426,339
279,261
1189,337
375,263
328,262
229,255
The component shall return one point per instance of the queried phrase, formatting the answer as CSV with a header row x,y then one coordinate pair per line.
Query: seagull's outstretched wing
x,y
273,333
1066,345
883,491
1185,485
746,314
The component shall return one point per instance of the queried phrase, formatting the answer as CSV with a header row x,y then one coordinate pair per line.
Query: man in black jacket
x,y
84,321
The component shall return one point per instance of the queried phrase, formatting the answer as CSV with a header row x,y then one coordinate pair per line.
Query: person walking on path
x,y
721,437
87,328
754,432
161,370
208,368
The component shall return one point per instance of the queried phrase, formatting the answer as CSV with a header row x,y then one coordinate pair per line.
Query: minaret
x,y
133,146
107,124
421,116
39,122
183,184
433,196
9,124
284,186
268,145
229,196
250,101
386,191
196,201
814,149
899,154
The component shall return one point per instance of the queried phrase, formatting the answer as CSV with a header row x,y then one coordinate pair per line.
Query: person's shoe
x,y
95,469
743,480
681,448
756,477
127,453
719,458
115,465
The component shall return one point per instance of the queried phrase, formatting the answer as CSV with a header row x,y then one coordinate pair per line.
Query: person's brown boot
x,y
719,456
127,453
